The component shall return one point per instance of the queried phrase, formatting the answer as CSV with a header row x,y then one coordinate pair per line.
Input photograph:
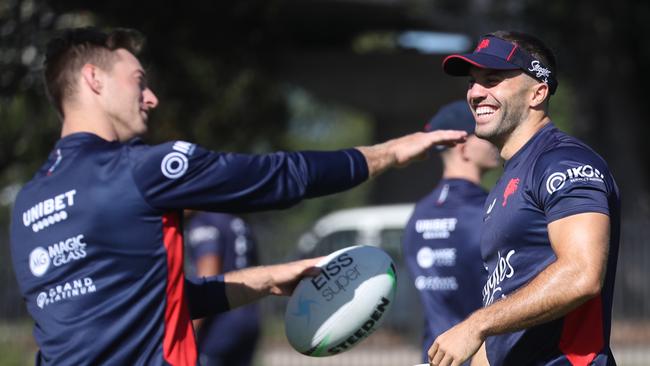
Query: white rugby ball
x,y
334,311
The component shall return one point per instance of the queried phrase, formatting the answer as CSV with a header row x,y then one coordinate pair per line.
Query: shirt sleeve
x,y
572,180
206,296
179,174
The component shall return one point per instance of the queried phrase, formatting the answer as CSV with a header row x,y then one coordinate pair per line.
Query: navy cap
x,y
498,54
453,116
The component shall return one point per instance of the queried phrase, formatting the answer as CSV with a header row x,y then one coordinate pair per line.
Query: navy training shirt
x,y
551,177
231,239
97,247
442,252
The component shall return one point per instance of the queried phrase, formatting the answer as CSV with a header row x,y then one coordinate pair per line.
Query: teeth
x,y
484,111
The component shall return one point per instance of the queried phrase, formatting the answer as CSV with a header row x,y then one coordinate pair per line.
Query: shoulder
x,y
170,150
571,158
426,203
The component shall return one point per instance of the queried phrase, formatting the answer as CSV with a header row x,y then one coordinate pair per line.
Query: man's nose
x,y
150,99
476,91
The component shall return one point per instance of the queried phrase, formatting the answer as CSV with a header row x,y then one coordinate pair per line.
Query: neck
x,y
521,134
463,171
88,121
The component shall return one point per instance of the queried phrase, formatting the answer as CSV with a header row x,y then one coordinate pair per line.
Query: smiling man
x,y
96,235
550,229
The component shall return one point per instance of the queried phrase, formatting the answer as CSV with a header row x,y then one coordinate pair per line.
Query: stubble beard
x,y
512,115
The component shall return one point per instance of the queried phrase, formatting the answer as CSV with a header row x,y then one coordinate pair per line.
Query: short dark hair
x,y
533,45
67,53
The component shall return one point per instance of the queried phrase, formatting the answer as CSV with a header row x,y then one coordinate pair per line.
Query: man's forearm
x,y
403,150
249,284
550,295
581,246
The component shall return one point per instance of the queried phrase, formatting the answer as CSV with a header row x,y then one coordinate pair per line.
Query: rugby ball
x,y
334,311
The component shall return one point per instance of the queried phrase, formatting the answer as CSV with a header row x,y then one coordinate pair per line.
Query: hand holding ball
x,y
332,312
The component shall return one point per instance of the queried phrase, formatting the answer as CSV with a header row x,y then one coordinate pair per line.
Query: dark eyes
x,y
487,82
142,82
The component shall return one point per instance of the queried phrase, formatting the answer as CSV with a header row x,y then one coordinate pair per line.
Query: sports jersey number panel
x,y
553,176
96,240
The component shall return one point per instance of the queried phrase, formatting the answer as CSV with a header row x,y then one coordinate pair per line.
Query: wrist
x,y
379,157
480,323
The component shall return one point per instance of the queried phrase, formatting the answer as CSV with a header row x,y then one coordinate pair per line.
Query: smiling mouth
x,y
485,111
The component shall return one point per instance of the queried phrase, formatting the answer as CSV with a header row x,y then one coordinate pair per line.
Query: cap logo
x,y
540,72
484,44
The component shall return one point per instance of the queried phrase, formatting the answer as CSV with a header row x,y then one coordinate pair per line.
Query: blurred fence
x,y
392,346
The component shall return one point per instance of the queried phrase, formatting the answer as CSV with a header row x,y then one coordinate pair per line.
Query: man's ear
x,y
92,77
540,92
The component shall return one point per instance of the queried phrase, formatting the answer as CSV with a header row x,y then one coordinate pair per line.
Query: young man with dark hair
x,y
551,224
441,244
96,236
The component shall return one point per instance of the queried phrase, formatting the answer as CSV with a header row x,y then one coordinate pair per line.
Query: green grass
x,y
17,345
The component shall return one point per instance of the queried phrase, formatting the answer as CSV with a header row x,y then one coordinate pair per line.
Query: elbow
x,y
589,286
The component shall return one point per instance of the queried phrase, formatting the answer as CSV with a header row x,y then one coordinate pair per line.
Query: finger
x,y
432,351
449,135
307,267
311,272
437,357
447,360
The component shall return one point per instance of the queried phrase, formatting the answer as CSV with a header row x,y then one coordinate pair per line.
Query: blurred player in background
x,y
96,238
551,223
218,243
441,239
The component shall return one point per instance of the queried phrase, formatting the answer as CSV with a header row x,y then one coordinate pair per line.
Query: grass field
x,y
631,347
17,345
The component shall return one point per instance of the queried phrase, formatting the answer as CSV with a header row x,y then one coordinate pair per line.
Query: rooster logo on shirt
x,y
511,188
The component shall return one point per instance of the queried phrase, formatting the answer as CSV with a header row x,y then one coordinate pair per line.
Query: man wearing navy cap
x,y
441,243
550,228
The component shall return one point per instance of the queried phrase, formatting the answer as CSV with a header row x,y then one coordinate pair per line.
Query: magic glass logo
x,y
583,173
57,254
443,257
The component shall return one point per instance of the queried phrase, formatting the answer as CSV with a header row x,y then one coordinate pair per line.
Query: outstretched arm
x,y
581,245
250,284
403,150
216,294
